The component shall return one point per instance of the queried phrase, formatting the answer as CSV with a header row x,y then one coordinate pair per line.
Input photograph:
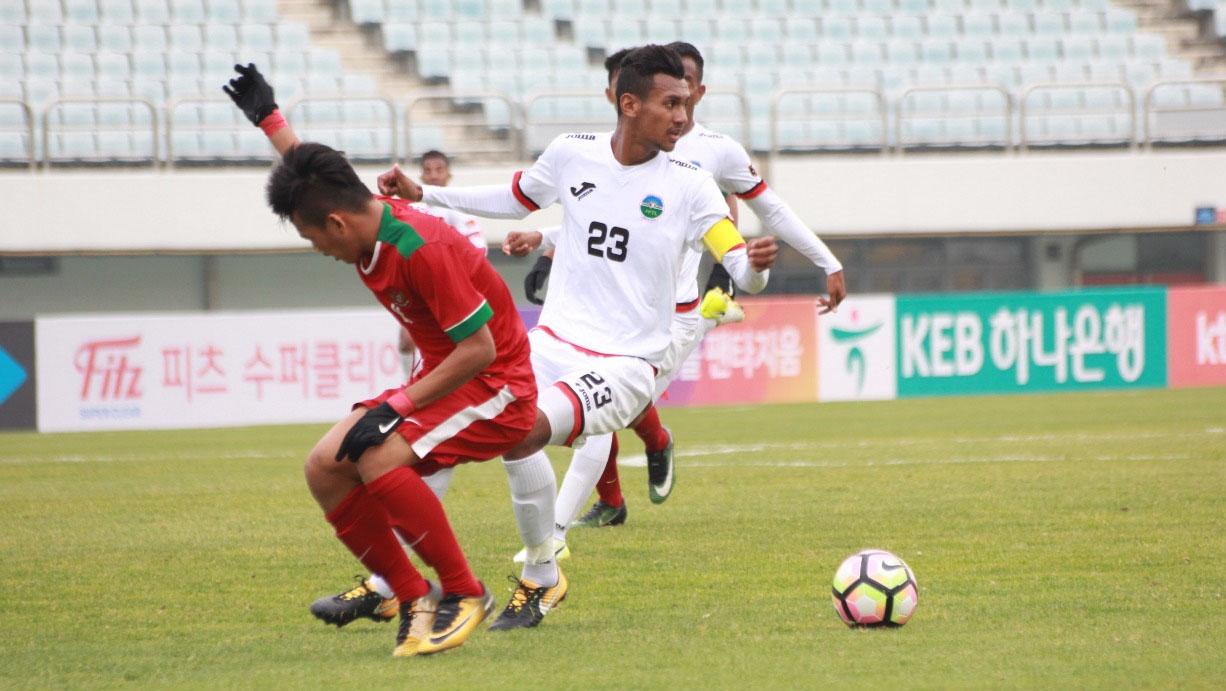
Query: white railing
x,y
493,126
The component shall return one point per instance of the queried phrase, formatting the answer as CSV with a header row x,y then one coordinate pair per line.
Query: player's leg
x,y
610,506
362,522
586,466
373,597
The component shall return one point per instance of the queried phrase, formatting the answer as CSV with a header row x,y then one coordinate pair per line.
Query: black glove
x,y
372,429
251,93
719,278
535,280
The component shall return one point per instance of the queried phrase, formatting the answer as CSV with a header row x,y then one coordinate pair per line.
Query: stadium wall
x,y
222,210
221,369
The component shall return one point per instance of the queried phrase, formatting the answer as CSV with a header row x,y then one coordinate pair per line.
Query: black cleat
x,y
660,476
530,603
601,515
360,601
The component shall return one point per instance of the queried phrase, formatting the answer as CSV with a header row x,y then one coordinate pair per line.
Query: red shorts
x,y
476,422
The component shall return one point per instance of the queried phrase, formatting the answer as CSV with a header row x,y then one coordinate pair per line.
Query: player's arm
x,y
733,211
747,263
254,96
530,190
781,221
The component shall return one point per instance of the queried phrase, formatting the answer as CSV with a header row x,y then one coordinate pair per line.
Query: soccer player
x,y
473,400
631,212
729,163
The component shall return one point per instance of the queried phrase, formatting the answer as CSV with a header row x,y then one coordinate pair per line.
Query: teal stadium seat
x,y
187,11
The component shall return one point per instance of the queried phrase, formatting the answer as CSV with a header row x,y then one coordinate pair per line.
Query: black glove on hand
x,y
251,93
535,280
372,429
720,279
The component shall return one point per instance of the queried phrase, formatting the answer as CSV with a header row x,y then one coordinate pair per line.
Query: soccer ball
x,y
874,588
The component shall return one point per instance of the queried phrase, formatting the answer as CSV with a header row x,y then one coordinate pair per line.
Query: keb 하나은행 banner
x,y
1013,342
1196,348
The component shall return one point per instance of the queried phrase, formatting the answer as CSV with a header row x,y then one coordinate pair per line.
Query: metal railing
x,y
95,126
28,113
492,125
1025,112
902,114
1151,112
345,120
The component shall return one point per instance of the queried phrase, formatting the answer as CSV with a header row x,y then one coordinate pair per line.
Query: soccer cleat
x,y
720,306
560,552
660,476
530,603
601,515
455,619
360,601
416,622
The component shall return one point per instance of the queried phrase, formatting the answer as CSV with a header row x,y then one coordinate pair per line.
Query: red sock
x,y
653,434
610,487
362,524
417,513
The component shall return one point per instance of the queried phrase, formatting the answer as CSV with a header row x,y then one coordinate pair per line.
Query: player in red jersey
x,y
474,398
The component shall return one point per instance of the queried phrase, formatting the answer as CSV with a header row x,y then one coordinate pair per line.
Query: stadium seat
x,y
187,11
45,13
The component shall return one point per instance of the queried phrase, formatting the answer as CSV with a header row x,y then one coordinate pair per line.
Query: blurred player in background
x,y
474,399
631,211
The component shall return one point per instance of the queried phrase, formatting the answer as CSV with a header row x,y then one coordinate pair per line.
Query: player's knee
x,y
536,440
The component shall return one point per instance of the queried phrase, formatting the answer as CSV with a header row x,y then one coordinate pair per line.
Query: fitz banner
x,y
210,370
1015,342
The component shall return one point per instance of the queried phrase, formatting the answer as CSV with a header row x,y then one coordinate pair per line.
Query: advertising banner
x,y
1196,349
16,375
210,370
856,350
1013,342
771,357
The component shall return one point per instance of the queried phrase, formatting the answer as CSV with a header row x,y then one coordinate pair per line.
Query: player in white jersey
x,y
631,213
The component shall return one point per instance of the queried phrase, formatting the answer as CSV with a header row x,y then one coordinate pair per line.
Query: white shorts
x,y
584,393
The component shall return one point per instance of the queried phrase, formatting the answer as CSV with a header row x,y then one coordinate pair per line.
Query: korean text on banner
x,y
1197,336
771,357
1013,342
211,370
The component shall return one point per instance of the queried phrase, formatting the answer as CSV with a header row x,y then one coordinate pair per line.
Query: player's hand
x,y
251,93
372,429
535,280
762,253
837,290
394,183
519,243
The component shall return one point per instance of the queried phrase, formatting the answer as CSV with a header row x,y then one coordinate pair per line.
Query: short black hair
x,y
639,68
314,180
614,61
688,50
435,153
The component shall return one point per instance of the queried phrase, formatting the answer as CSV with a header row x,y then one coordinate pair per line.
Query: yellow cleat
x,y
720,306
530,603
416,622
455,620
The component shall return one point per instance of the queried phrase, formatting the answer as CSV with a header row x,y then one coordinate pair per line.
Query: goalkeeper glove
x,y
535,280
372,429
251,93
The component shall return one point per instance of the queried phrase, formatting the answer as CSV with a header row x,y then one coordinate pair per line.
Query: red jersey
x,y
443,289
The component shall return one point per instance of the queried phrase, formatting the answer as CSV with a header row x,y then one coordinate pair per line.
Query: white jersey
x,y
625,232
728,162
462,222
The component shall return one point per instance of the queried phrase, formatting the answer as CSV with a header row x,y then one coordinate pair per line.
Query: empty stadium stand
x,y
137,81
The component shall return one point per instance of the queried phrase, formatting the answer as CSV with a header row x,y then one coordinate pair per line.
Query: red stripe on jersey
x,y
519,194
752,191
579,420
737,246
683,307
579,348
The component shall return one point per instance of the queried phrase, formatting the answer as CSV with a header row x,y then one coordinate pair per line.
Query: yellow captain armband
x,y
722,238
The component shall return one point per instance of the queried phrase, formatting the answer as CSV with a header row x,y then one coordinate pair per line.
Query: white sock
x,y
439,481
533,495
586,466
380,586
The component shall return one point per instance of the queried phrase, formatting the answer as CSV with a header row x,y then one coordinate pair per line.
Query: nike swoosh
x,y
457,627
890,567
391,424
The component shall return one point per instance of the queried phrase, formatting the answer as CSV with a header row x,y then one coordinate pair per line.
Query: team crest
x,y
651,206
399,299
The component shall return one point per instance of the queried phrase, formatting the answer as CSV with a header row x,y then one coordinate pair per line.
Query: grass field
x,y
1059,541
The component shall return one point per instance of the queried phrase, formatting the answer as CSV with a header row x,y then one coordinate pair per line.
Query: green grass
x,y
1072,540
